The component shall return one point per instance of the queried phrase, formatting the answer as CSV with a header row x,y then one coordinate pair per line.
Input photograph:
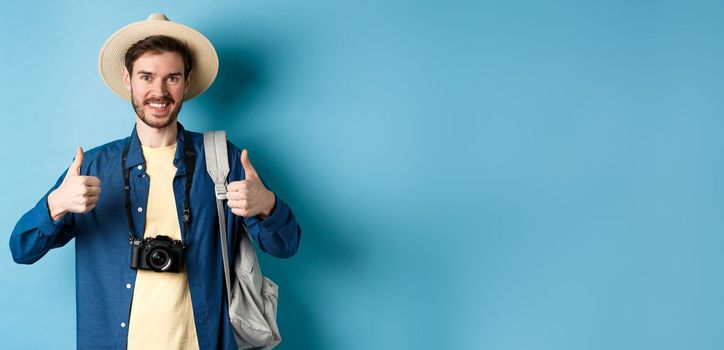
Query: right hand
x,y
76,194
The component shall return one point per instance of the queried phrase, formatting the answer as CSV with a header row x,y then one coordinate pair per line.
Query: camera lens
x,y
159,259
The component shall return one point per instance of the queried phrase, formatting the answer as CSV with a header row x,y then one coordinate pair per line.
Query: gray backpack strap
x,y
217,160
217,164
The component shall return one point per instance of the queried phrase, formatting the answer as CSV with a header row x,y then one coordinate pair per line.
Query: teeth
x,y
158,105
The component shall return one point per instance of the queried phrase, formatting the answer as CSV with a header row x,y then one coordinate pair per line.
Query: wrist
x,y
54,209
266,213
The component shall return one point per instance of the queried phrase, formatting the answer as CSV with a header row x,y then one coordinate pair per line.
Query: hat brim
x,y
111,59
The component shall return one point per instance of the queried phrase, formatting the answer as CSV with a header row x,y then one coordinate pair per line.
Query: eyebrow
x,y
143,72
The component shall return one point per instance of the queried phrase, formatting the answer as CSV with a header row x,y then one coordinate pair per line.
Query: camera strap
x,y
189,161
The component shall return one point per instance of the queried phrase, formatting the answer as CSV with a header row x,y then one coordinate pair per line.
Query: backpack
x,y
252,298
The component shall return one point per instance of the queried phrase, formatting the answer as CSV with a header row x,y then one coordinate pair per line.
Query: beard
x,y
155,122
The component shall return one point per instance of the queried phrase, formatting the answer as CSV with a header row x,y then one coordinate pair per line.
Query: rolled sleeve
x,y
36,232
279,233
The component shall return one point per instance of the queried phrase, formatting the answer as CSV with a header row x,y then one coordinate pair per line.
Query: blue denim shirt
x,y
104,280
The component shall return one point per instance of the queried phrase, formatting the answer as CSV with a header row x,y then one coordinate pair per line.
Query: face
x,y
157,85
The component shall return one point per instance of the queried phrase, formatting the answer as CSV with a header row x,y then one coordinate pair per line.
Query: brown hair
x,y
158,44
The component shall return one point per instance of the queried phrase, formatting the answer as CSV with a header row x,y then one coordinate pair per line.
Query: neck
x,y
153,137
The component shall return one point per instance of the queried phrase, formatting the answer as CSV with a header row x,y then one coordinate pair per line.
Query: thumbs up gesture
x,y
249,197
77,193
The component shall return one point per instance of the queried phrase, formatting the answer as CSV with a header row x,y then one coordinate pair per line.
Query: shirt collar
x,y
135,153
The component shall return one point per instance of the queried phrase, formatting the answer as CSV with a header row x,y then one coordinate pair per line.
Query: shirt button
x,y
140,167
128,286
123,324
140,209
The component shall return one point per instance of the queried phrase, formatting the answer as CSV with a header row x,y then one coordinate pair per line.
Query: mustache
x,y
162,99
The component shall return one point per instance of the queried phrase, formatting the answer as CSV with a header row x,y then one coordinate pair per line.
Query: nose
x,y
159,88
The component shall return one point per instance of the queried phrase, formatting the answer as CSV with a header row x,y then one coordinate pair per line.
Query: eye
x,y
146,77
173,79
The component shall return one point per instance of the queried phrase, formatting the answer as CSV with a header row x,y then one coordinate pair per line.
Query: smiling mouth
x,y
159,107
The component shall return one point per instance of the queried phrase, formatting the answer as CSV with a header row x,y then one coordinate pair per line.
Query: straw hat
x,y
112,56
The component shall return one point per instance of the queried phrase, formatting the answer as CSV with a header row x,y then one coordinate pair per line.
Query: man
x,y
115,197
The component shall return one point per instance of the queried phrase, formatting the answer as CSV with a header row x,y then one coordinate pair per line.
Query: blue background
x,y
482,175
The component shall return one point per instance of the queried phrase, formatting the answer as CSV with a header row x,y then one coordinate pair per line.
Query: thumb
x,y
249,170
75,166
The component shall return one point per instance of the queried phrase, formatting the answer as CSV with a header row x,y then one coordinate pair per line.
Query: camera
x,y
160,254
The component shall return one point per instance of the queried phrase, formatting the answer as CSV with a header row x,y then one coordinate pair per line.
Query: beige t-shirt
x,y
161,313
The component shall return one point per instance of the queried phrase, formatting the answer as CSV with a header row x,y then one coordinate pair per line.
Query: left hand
x,y
249,197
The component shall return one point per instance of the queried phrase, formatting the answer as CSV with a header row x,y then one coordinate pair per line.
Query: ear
x,y
126,78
